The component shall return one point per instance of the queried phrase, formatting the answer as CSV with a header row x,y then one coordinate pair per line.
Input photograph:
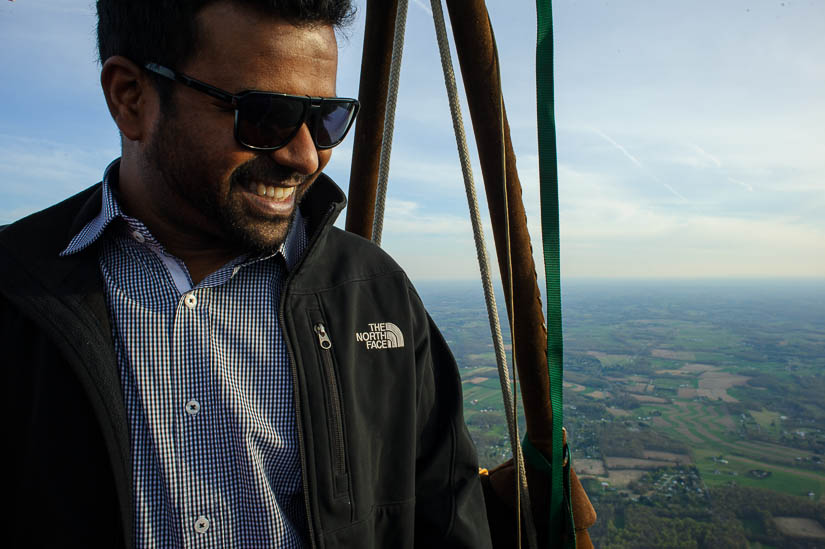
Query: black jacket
x,y
387,459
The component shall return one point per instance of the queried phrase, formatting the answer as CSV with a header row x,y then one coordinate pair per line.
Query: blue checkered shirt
x,y
207,385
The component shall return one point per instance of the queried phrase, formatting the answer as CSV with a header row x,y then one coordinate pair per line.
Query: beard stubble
x,y
184,170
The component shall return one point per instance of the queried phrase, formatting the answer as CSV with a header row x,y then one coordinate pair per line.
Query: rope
x,y
521,472
483,264
389,121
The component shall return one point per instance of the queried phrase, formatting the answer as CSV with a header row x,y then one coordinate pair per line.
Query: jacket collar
x,y
322,204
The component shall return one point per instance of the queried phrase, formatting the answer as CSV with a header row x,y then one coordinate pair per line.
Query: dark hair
x,y
164,31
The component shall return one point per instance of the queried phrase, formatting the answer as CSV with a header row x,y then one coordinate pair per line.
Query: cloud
x,y
406,217
741,184
56,165
37,173
606,232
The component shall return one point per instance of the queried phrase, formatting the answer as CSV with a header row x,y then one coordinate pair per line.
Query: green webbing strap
x,y
536,460
548,174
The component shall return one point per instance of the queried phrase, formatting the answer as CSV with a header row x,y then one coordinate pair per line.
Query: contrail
x,y
423,6
706,154
674,191
622,149
639,164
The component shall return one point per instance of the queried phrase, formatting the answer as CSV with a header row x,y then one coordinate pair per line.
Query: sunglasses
x,y
266,121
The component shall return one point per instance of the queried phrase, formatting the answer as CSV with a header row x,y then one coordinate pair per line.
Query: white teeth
x,y
278,193
282,193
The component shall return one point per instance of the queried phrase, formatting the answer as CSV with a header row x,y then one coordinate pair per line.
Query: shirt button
x,y
193,407
201,524
190,300
235,270
138,236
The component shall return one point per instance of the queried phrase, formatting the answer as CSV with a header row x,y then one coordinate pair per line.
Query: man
x,y
194,355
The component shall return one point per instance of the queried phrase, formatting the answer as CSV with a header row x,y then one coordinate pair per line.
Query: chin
x,y
260,237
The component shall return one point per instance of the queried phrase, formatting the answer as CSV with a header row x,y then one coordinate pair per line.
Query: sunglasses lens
x,y
335,120
269,121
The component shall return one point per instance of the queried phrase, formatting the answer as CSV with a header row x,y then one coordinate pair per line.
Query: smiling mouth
x,y
276,193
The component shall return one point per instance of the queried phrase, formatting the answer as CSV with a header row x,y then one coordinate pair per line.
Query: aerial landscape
x,y
695,409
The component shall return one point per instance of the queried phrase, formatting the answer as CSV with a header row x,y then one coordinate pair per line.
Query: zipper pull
x,y
323,336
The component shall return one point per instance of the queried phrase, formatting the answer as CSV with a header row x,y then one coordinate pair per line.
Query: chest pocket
x,y
333,407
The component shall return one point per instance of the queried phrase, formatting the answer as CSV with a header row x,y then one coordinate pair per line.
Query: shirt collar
x,y
291,249
109,211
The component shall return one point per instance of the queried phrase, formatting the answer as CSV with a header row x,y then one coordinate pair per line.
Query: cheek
x,y
215,166
212,133
216,155
226,162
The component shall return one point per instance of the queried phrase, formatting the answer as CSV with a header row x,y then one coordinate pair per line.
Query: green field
x,y
729,379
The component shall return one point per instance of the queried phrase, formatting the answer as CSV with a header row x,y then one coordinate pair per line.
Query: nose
x,y
299,154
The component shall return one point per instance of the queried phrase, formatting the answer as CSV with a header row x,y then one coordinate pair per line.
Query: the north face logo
x,y
381,335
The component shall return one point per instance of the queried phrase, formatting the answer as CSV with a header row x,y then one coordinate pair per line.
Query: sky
x,y
691,134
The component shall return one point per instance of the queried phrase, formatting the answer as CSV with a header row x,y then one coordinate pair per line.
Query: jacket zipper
x,y
325,344
298,415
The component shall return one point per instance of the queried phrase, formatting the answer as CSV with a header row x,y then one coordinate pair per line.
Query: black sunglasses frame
x,y
311,106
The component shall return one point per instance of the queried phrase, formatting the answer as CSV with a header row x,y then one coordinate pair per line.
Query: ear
x,y
131,97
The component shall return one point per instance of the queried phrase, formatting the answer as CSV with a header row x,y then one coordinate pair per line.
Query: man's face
x,y
207,182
